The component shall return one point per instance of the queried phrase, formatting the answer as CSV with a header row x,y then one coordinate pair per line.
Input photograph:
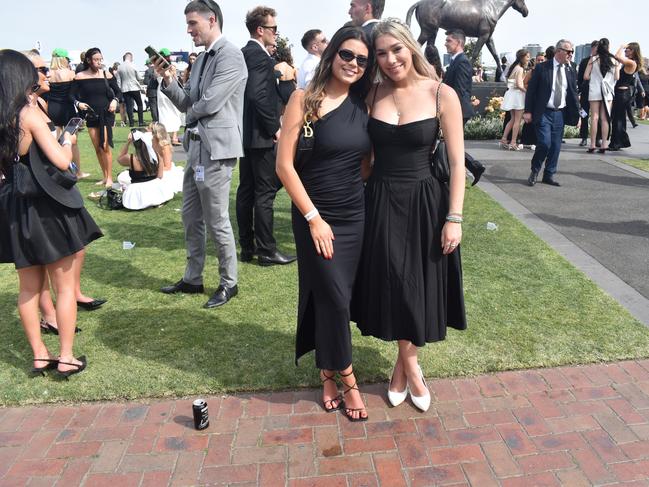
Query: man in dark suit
x,y
551,102
258,182
459,77
365,14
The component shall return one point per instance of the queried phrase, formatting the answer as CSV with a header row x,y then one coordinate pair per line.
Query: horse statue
x,y
477,18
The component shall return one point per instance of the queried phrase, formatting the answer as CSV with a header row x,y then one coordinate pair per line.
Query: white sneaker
x,y
421,402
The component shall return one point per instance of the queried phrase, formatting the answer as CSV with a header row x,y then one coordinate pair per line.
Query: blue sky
x,y
117,26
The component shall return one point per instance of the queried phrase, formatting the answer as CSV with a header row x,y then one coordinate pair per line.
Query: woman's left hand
x,y
451,237
112,106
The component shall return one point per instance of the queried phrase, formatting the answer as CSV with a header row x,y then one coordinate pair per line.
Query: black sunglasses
x,y
43,69
567,51
270,27
348,56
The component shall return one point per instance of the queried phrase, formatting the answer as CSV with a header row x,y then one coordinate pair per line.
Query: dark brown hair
x,y
257,17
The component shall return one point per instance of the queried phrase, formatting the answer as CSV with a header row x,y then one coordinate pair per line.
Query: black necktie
x,y
205,58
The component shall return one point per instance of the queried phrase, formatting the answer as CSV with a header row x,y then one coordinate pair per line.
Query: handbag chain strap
x,y
440,134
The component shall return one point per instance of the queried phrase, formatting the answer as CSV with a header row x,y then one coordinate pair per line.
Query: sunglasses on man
x,y
348,56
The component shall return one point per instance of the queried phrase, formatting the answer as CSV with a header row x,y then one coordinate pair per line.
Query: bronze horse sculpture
x,y
477,18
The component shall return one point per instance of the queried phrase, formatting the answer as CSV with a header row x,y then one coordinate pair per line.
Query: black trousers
x,y
585,104
153,106
258,185
131,97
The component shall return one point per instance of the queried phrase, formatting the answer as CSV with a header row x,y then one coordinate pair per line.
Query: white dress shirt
x,y
564,85
307,70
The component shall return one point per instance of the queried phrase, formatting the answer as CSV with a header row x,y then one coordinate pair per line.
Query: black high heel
x,y
590,150
329,402
351,410
50,328
52,364
79,367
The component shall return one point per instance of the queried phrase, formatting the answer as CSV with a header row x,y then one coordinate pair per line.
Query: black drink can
x,y
201,417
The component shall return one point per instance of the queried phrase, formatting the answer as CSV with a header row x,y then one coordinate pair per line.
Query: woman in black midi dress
x,y
409,284
328,209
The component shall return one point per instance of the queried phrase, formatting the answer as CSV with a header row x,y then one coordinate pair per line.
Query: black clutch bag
x,y
305,144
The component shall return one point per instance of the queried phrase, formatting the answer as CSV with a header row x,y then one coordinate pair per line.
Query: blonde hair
x,y
159,132
401,32
59,63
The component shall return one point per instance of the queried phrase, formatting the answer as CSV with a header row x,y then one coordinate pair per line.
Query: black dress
x,y
39,230
621,99
406,288
59,106
332,179
98,93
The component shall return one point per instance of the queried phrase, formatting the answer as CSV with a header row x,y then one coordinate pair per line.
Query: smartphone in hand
x,y
72,128
155,56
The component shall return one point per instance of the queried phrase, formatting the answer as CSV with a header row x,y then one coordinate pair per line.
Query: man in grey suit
x,y
129,83
365,14
213,103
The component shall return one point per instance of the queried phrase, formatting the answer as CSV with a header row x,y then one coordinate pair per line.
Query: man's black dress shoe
x,y
221,296
583,143
276,258
183,287
532,179
550,181
92,305
247,255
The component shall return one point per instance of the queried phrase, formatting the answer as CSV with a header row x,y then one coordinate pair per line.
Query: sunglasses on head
x,y
348,56
43,69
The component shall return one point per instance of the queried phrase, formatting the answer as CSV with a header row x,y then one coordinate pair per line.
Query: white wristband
x,y
66,142
311,215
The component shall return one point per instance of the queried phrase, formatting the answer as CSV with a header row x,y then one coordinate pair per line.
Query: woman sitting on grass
x,y
172,175
142,183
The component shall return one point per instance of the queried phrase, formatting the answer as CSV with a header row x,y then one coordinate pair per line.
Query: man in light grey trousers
x,y
213,103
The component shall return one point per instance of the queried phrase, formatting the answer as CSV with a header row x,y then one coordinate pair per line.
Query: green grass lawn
x,y
642,164
527,307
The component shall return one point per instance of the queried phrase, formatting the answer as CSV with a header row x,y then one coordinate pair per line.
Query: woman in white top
x,y
601,72
514,99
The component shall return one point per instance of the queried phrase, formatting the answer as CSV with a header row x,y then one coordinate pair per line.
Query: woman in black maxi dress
x,y
328,210
631,58
409,285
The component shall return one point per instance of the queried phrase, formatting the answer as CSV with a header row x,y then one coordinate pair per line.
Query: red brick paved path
x,y
569,426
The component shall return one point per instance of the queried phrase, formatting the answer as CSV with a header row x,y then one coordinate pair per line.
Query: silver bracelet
x,y
311,214
454,219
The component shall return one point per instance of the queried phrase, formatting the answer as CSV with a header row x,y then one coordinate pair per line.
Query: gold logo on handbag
x,y
308,131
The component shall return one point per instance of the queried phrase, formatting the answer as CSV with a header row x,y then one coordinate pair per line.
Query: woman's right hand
x,y
83,106
322,237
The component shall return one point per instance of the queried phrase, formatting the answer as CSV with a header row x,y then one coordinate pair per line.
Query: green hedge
x,y
489,128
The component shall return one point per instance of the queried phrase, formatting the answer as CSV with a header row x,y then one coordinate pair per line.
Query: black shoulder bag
x,y
438,155
305,144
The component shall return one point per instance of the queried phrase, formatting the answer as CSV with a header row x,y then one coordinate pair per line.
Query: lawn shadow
x,y
119,273
232,355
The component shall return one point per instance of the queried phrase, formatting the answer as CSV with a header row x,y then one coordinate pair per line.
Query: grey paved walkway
x,y
598,219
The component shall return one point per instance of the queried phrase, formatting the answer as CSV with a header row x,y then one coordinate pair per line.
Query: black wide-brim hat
x,y
59,185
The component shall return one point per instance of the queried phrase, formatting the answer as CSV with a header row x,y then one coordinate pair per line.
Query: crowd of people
x,y
603,90
349,134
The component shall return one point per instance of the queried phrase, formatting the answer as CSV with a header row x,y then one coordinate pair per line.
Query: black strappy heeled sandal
x,y
351,410
50,328
79,367
328,405
52,363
